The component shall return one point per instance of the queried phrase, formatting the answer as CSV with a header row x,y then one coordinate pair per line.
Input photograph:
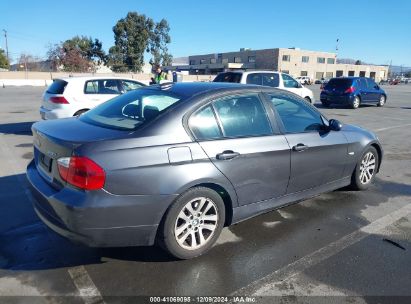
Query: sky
x,y
374,31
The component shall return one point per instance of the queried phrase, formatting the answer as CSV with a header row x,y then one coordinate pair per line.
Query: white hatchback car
x,y
268,78
72,96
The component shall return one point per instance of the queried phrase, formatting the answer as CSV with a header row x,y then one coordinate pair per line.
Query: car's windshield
x,y
228,77
130,110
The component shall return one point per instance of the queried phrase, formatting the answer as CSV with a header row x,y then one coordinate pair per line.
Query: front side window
x,y
129,85
102,86
297,116
128,111
242,116
289,82
204,125
271,80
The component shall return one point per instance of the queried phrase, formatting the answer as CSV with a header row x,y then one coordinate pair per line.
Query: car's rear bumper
x,y
98,218
341,99
47,114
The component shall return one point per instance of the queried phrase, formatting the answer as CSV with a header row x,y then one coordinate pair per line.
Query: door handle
x,y
227,154
300,147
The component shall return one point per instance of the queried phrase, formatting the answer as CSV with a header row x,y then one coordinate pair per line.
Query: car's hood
x,y
75,131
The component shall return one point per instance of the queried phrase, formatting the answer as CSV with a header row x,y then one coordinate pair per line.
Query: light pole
x,y
7,46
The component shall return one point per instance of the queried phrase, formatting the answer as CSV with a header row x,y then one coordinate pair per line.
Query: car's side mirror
x,y
335,125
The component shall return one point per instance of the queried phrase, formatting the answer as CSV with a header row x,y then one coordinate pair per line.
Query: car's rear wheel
x,y
356,102
80,112
365,170
381,102
193,223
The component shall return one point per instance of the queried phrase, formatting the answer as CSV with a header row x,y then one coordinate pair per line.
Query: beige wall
x,y
317,70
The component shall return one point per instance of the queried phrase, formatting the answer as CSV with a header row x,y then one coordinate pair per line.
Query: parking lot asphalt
x,y
341,243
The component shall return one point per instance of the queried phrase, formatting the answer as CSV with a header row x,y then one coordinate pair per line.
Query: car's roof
x,y
251,72
189,89
84,78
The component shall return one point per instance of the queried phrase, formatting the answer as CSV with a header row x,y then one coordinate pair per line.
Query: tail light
x,y
81,172
58,99
350,90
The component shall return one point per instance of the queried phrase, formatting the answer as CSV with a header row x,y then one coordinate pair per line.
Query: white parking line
x,y
81,279
85,285
393,127
267,283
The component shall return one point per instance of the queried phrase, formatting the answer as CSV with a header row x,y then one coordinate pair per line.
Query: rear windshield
x,y
228,77
57,87
129,110
341,83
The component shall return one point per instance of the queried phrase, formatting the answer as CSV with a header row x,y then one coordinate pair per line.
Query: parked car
x,y
73,96
267,78
304,80
353,91
172,164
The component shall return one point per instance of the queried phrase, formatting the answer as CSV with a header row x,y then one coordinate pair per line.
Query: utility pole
x,y
7,46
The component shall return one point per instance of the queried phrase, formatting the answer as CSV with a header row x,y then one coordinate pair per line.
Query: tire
x,y
382,100
78,113
356,102
308,99
180,225
363,177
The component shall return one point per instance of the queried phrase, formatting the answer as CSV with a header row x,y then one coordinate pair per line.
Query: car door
x,y
373,90
243,142
97,91
318,156
291,85
362,86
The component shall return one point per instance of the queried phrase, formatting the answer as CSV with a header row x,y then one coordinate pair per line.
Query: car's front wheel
x,y
381,102
193,223
365,170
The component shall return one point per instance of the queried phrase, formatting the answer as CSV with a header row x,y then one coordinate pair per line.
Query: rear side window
x,y
255,78
102,86
57,87
203,124
228,77
242,116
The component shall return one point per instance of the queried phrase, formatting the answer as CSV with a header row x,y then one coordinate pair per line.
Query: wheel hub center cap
x,y
195,222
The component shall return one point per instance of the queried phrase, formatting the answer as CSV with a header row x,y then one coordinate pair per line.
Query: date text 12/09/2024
x,y
203,299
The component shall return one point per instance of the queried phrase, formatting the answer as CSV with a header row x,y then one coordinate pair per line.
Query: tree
x,y
133,36
78,54
4,63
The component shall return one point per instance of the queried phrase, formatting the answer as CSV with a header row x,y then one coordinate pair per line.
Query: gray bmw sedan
x,y
173,164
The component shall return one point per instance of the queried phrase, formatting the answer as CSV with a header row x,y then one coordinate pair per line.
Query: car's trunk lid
x,y
59,138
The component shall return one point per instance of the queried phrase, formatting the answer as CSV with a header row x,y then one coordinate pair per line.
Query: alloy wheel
x,y
367,168
382,101
356,103
196,223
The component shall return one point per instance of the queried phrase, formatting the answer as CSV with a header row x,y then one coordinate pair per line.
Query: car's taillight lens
x,y
350,90
81,172
58,99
